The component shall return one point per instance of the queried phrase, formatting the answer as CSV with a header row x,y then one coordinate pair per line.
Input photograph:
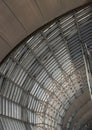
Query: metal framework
x,y
40,79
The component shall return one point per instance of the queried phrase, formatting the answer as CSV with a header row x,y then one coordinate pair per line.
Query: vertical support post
x,y
88,66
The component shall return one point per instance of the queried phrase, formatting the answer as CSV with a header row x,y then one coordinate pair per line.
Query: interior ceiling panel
x,y
19,18
78,105
4,48
27,13
10,29
81,112
43,83
87,117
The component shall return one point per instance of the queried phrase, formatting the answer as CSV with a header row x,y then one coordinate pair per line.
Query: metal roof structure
x,y
43,83
20,18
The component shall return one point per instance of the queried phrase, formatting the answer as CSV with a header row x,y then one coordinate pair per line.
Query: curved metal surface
x,y
81,112
18,19
84,119
40,78
80,102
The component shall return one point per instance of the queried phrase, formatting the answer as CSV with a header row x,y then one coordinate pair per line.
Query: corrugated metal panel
x,y
39,79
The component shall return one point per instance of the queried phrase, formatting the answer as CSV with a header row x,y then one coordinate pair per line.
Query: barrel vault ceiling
x,y
19,18
43,83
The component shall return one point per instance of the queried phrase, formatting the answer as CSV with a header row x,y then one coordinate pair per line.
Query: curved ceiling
x,y
43,84
19,18
83,115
